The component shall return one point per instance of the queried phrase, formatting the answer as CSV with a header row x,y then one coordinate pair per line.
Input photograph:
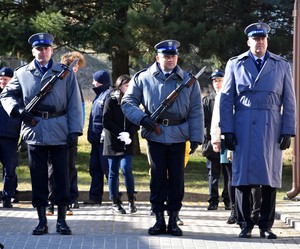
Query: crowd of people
x,y
243,127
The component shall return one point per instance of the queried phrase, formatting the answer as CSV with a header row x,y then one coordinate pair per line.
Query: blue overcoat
x,y
257,108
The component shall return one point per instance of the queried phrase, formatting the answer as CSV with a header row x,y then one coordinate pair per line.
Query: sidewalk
x,y
94,227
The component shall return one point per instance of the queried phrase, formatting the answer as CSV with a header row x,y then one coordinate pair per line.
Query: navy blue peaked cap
x,y
168,47
216,74
258,29
41,40
6,71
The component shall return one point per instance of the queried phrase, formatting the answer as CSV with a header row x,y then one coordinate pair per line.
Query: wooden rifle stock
x,y
166,103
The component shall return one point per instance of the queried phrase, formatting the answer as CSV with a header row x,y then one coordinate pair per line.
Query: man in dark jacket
x,y
9,136
98,162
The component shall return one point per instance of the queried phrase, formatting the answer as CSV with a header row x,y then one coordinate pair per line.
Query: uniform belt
x,y
46,115
168,122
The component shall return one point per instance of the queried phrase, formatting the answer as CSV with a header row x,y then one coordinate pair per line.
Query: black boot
x,y
61,226
160,225
42,227
131,203
117,207
173,228
232,217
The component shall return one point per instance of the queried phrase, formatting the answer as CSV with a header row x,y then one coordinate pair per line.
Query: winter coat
x,y
96,115
257,107
64,97
9,127
115,122
149,88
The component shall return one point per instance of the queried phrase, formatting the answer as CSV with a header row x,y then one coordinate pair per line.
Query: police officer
x,y
9,136
183,121
258,85
213,158
98,162
49,129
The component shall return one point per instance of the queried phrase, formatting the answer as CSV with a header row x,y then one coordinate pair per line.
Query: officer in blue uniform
x,y
258,119
9,136
49,129
183,121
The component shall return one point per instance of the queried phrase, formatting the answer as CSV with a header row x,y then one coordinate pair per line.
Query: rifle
x,y
40,95
166,103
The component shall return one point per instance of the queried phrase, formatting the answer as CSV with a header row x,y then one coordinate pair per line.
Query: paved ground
x,y
95,227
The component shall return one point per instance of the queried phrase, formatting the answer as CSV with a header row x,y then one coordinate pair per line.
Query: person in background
x,y
98,162
67,59
183,121
213,158
119,146
257,119
49,129
9,137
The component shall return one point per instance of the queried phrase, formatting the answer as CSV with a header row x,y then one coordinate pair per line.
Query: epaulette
x,y
232,58
21,66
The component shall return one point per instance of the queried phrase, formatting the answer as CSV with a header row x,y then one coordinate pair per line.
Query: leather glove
x,y
230,141
24,115
148,123
72,139
285,141
194,145
125,137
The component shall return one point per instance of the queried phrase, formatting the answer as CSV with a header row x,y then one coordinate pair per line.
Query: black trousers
x,y
73,179
167,175
244,206
214,173
38,163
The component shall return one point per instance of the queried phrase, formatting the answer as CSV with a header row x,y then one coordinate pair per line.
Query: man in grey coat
x,y
53,125
181,122
257,117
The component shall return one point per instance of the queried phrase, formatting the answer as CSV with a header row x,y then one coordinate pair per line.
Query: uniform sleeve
x,y
227,100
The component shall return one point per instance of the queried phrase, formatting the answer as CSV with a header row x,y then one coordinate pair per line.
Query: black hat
x,y
216,74
6,71
167,47
41,40
102,77
258,29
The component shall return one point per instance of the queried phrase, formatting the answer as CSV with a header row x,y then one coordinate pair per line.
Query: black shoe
x,y
267,234
245,233
159,226
227,206
62,227
50,210
75,205
179,221
212,206
93,202
7,203
232,217
69,211
117,207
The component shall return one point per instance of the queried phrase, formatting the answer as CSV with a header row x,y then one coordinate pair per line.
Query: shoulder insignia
x,y
21,66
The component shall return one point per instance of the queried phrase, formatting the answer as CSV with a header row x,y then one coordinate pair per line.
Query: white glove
x,y
125,137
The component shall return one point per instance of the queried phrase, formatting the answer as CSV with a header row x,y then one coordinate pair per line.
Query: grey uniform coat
x,y
149,88
257,108
65,95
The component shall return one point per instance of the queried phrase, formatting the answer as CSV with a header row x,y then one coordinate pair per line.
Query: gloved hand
x,y
285,141
25,116
72,139
194,145
125,137
148,123
230,141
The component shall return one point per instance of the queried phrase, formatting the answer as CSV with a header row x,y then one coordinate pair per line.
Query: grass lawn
x,y
195,172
